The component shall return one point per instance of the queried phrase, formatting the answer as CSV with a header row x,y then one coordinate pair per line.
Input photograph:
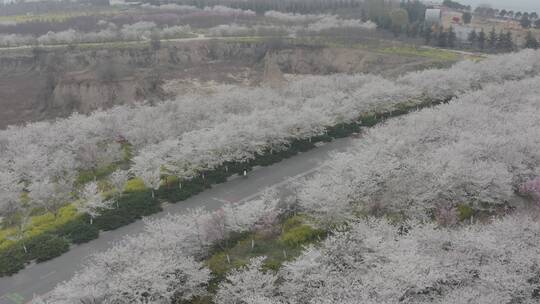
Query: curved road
x,y
39,279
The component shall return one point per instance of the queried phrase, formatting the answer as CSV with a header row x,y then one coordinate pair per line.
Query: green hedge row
x,y
134,205
131,206
40,248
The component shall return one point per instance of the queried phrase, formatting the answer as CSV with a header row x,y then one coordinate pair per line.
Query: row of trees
x,y
476,151
109,32
531,42
526,19
163,16
139,31
374,261
501,42
298,25
261,6
492,41
440,37
456,5
488,11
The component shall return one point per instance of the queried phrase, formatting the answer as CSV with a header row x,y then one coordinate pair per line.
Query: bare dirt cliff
x,y
38,84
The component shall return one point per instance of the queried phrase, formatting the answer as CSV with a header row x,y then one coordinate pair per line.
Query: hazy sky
x,y
521,5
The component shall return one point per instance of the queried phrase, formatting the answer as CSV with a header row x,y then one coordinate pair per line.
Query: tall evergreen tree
x,y
500,45
530,41
482,39
508,42
467,17
451,37
473,37
427,34
442,38
525,21
492,39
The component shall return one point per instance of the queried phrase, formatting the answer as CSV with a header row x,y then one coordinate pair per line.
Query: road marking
x,y
221,200
48,275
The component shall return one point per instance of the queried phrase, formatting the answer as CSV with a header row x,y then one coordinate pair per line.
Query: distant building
x,y
434,15
432,4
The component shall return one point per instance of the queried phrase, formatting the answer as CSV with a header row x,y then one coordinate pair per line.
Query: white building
x,y
434,15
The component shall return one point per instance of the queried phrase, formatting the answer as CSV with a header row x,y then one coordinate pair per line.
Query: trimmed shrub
x,y
132,206
109,222
302,145
300,235
465,212
322,138
370,121
343,130
293,221
12,259
217,176
79,231
45,247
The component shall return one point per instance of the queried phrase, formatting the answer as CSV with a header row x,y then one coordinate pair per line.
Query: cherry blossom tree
x,y
92,155
118,181
532,188
10,196
374,263
435,157
147,166
138,275
51,195
92,201
247,283
24,212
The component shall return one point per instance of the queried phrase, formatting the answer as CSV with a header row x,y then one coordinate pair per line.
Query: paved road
x,y
198,37
41,278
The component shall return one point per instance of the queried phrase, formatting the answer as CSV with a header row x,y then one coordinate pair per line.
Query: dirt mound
x,y
272,76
